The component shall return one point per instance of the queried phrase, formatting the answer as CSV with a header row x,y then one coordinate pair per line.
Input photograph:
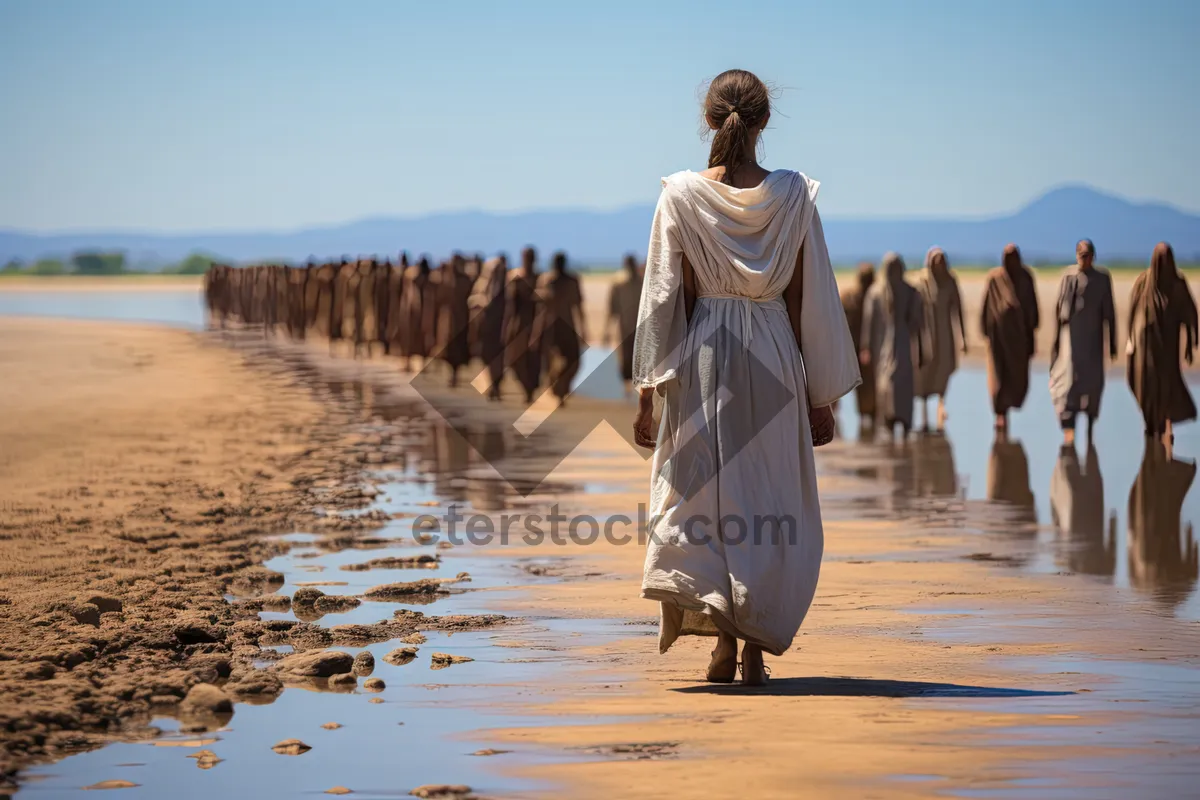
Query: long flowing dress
x,y
736,538
1078,513
1009,322
853,298
523,351
623,300
943,306
891,318
562,301
1085,306
1161,307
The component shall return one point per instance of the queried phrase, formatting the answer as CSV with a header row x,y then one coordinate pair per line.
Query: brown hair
x,y
736,105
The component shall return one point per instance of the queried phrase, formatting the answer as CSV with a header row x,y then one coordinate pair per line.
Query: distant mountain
x,y
1046,229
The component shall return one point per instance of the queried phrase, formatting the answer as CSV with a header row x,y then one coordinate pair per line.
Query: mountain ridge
x,y
1046,228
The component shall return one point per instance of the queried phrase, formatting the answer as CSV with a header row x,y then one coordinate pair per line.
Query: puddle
x,y
1050,509
424,726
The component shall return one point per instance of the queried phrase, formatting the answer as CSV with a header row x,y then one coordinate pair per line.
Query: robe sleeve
x,y
662,317
830,363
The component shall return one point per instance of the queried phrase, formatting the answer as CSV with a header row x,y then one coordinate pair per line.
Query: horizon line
x,y
319,226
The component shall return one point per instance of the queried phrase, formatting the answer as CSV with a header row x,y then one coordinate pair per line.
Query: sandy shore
x,y
141,472
146,464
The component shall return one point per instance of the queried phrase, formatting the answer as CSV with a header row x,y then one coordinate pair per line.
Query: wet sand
x,y
932,662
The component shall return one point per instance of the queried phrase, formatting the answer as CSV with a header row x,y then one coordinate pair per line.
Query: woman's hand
x,y
822,425
864,358
643,423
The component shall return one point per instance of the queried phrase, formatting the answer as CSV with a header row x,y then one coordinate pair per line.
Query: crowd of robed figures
x,y
513,320
906,338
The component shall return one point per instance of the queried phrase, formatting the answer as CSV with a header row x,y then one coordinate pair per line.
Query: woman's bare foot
x,y
723,667
754,672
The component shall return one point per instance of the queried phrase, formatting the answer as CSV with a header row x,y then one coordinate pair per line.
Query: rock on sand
x,y
291,747
206,697
443,660
401,656
319,664
364,663
441,791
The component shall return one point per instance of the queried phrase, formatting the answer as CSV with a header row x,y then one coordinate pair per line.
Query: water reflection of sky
x,y
1081,502
1091,506
182,307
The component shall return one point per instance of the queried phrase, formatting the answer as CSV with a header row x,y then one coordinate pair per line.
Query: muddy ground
x,y
140,473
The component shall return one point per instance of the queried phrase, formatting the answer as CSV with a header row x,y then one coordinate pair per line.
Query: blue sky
x,y
140,114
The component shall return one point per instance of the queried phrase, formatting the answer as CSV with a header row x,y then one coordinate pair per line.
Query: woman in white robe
x,y
742,336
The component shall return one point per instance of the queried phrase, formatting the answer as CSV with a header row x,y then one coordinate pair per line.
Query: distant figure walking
x,y
523,347
487,320
891,321
853,300
1160,306
943,310
1085,307
561,325
623,300
418,305
454,316
1009,322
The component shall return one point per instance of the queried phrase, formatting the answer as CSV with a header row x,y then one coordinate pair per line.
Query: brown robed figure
x,y
1009,322
1161,308
487,320
393,333
454,295
418,309
561,325
853,297
623,300
523,346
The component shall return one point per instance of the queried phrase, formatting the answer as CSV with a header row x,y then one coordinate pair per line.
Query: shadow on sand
x,y
864,687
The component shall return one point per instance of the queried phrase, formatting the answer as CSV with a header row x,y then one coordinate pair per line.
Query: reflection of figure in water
x,y
1009,322
623,301
1162,553
853,300
561,325
1078,513
487,320
1085,307
523,349
1160,306
891,320
933,466
451,453
1008,478
486,490
943,309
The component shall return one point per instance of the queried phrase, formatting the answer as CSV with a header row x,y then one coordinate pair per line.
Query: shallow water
x,y
1078,520
429,722
183,307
